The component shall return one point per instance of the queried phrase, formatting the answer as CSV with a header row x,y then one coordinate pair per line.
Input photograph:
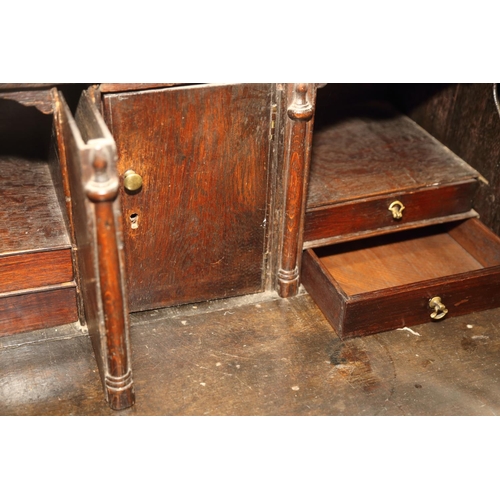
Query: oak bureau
x,y
128,197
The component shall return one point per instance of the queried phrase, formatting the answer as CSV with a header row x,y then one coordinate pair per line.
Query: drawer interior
x,y
410,256
381,283
397,259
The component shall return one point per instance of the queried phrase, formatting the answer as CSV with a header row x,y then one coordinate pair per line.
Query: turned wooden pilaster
x,y
102,190
298,133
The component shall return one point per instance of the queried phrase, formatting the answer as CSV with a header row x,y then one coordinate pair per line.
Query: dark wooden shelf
x,y
375,150
370,156
31,219
36,269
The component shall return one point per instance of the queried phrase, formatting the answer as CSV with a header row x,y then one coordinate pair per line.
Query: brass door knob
x,y
132,181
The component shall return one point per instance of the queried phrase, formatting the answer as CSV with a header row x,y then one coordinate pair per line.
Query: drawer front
x,y
33,270
398,308
356,303
352,220
36,309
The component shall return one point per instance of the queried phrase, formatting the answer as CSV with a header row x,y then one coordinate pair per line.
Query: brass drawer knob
x,y
440,310
396,207
132,181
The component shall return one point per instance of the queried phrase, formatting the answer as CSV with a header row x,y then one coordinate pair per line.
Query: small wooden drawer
x,y
38,308
372,216
37,287
384,283
373,159
35,269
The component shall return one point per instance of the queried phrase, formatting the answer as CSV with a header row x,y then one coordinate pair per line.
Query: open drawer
x,y
406,278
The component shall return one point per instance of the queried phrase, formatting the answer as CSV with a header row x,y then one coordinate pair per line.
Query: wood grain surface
x,y
344,220
35,251
375,150
297,155
262,357
408,305
478,240
200,216
374,285
124,87
37,308
88,154
395,260
25,86
33,270
464,118
31,218
41,99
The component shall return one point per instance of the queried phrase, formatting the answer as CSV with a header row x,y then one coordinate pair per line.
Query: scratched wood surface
x,y
196,229
374,150
464,118
267,357
124,87
31,219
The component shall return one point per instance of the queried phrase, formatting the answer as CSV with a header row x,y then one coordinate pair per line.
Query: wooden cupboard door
x,y
87,154
196,229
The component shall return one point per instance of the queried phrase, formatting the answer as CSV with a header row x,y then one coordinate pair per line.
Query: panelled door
x,y
194,168
87,156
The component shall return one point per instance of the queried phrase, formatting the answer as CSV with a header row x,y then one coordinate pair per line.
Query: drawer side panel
x,y
318,283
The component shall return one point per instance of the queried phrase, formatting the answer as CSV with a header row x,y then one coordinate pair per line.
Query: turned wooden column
x,y
102,190
300,98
